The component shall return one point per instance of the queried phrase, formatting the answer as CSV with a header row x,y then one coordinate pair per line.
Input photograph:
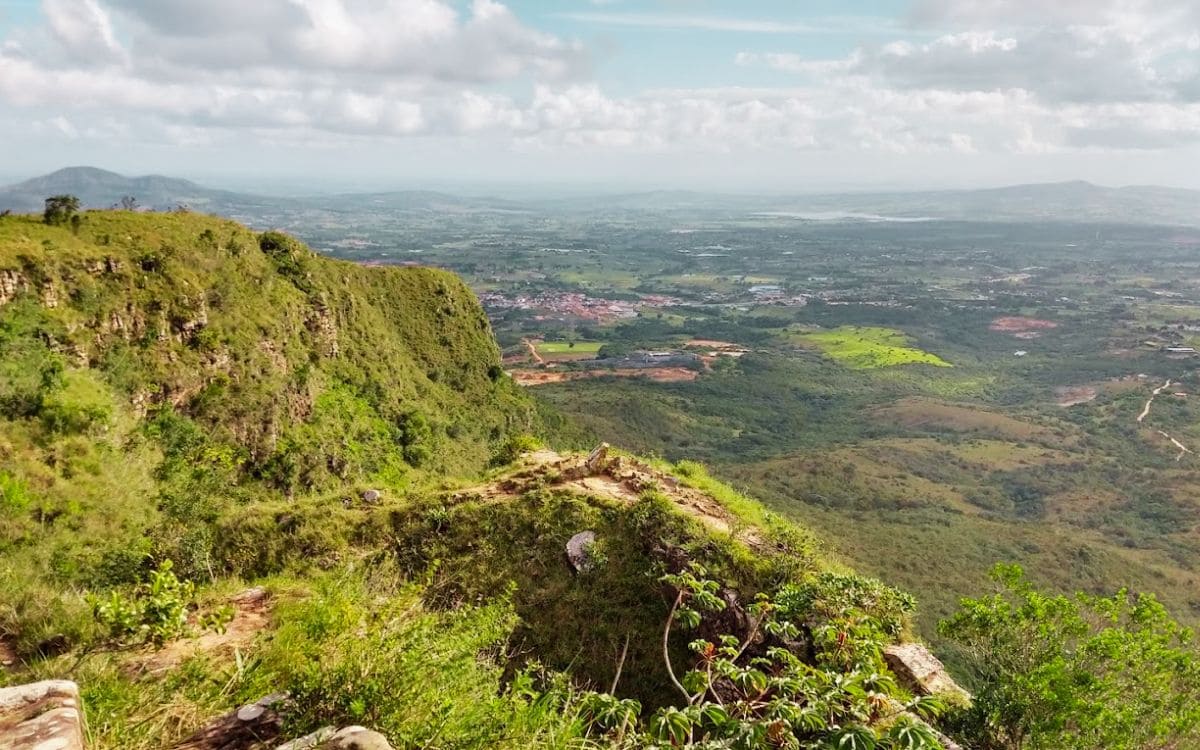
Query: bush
x,y
156,612
82,403
1082,672
513,448
749,691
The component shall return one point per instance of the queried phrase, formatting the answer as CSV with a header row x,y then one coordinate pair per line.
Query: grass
x,y
551,348
866,348
187,369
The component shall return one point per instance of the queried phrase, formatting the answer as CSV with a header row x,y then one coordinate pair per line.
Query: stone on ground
x,y
41,716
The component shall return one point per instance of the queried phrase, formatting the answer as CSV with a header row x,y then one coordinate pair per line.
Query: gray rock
x,y
372,496
41,716
356,738
579,551
597,460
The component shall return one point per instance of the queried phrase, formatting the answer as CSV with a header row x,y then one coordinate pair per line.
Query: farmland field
x,y
867,348
569,347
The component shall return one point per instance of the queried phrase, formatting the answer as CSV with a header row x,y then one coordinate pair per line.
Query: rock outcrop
x,y
922,672
41,716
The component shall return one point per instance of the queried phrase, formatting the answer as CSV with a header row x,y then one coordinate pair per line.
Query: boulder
x,y
372,496
579,551
922,672
41,716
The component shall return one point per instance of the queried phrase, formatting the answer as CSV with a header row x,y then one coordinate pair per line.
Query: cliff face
x,y
261,342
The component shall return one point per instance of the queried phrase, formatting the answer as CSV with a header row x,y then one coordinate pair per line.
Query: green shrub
x,y
514,448
748,690
1085,671
156,612
81,403
14,494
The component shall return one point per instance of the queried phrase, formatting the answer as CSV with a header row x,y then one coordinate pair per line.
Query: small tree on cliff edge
x,y
60,209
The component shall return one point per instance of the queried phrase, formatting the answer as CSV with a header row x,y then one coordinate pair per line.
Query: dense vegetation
x,y
160,372
189,408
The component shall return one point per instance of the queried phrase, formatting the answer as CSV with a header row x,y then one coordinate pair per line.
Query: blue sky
x,y
752,95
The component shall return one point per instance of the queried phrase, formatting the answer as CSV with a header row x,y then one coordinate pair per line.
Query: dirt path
x,y
533,352
1146,410
1183,449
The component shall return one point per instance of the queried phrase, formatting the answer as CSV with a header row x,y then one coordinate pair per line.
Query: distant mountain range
x,y
1062,201
97,188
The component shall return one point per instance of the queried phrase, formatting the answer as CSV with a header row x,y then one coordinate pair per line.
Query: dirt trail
x,y
1146,410
1183,449
616,478
533,352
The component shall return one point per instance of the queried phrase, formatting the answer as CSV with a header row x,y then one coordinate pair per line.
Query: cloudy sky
x,y
735,94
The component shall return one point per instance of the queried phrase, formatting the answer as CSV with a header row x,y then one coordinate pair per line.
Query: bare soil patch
x,y
1016,324
1074,395
251,616
712,344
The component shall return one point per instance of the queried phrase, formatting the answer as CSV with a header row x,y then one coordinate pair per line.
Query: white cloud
x,y
84,30
683,21
314,73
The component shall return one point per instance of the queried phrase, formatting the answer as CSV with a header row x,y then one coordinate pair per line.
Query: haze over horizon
x,y
710,95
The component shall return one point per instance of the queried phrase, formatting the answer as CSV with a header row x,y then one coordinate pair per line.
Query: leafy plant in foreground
x,y
753,691
157,611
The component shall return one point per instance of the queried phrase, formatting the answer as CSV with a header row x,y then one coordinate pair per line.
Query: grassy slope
x,y
174,387
867,348
160,372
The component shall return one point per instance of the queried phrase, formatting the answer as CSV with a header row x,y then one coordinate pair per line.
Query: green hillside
x,y
160,369
231,468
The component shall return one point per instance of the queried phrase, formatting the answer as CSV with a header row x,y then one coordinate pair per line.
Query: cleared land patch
x,y
862,348
1017,324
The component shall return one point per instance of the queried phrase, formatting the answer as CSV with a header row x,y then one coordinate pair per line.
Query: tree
x,y
60,209
129,203
1081,672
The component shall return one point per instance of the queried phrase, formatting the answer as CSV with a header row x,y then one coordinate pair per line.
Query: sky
x,y
738,95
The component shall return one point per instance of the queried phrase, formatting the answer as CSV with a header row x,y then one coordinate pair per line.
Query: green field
x,y
867,348
569,347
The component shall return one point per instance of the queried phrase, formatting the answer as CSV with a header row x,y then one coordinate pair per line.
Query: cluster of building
x,y
574,304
